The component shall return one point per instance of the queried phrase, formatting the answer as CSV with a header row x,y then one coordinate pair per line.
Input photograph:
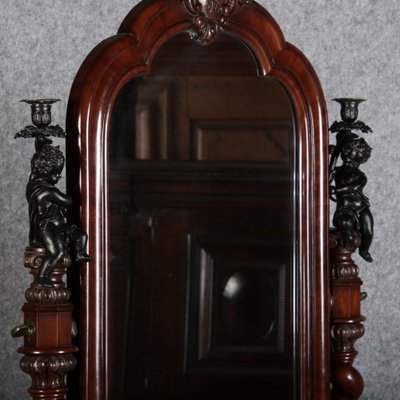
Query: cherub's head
x,y
48,163
356,150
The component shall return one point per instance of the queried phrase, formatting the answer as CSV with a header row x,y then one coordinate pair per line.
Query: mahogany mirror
x,y
197,153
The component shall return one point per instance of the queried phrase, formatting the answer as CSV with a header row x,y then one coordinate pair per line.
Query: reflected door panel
x,y
193,117
202,226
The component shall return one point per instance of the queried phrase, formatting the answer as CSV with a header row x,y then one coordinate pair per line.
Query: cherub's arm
x,y
61,199
356,184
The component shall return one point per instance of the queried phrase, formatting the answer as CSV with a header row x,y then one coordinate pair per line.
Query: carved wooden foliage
x,y
346,320
59,294
210,16
48,371
48,352
345,335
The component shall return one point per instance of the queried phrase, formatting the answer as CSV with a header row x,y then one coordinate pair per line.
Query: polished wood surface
x,y
48,349
346,319
107,68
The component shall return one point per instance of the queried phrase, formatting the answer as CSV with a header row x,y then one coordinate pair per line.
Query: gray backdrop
x,y
353,45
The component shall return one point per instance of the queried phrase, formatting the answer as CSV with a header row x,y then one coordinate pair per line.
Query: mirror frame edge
x,y
111,64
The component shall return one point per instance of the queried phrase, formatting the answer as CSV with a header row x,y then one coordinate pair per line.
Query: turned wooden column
x,y
47,330
346,319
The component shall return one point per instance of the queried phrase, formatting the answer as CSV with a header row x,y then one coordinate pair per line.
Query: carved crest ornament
x,y
210,16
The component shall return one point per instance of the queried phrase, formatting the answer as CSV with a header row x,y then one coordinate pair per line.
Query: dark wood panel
x,y
158,210
245,98
164,117
250,140
166,330
218,337
222,58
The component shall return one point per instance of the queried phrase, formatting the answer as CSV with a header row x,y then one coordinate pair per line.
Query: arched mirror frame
x,y
107,68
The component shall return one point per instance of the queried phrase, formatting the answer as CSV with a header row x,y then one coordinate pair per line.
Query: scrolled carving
x,y
343,266
47,295
210,16
346,320
345,335
48,371
346,271
36,293
33,258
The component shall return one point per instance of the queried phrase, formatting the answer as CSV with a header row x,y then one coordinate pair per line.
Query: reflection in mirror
x,y
202,222
248,309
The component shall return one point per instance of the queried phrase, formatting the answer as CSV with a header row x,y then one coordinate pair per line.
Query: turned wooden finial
x,y
346,319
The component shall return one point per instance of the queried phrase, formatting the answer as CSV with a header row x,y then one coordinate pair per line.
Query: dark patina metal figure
x,y
348,181
47,204
344,129
41,119
47,213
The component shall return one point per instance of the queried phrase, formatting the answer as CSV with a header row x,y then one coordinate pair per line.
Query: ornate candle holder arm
x,y
47,330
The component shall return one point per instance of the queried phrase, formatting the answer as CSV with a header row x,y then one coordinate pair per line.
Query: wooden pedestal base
x,y
47,330
346,321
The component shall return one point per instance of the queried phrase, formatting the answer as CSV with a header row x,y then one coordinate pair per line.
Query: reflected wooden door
x,y
209,304
202,232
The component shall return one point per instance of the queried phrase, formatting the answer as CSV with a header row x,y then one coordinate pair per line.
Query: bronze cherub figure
x,y
48,226
47,212
347,181
352,211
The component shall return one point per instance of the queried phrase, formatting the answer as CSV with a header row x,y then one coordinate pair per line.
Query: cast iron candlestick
x,y
353,229
47,329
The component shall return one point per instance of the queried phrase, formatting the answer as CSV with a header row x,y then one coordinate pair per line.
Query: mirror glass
x,y
202,224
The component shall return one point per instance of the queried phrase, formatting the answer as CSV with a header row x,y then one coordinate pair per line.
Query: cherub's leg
x,y
79,241
53,241
367,233
345,222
